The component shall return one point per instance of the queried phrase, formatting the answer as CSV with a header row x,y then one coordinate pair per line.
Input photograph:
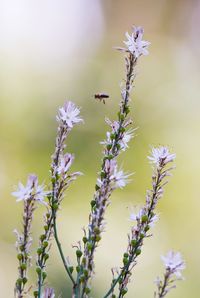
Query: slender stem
x,y
61,252
122,272
163,288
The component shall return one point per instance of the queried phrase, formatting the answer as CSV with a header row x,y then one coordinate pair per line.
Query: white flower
x,y
114,125
48,293
153,220
110,166
31,190
127,136
134,216
108,141
135,44
161,156
69,114
174,262
39,193
119,178
22,193
65,163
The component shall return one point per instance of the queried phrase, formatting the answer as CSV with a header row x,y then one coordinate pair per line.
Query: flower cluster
x,y
124,137
69,114
135,44
31,190
174,264
117,178
161,156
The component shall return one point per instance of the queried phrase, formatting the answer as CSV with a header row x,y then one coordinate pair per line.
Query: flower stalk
x,y
174,264
60,180
145,218
29,194
110,178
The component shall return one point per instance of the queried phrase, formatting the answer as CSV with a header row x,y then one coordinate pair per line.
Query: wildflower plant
x,y
110,177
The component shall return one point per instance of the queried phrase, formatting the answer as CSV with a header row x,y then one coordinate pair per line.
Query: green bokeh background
x,y
57,50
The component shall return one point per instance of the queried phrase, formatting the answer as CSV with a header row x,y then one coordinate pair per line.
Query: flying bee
x,y
101,97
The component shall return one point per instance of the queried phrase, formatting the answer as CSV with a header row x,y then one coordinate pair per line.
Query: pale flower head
x,y
119,178
127,136
69,114
48,293
135,44
31,190
153,220
173,261
65,163
136,215
161,156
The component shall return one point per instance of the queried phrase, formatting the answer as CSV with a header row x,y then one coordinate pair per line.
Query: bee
x,y
101,97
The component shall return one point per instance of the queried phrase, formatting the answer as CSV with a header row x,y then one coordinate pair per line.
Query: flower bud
x,y
125,255
38,270
45,244
89,246
87,291
109,146
39,251
93,203
79,253
125,261
20,256
138,251
44,275
84,239
144,218
71,269
85,272
98,238
23,266
46,256
133,242
19,281
55,206
46,228
97,187
42,237
35,293
25,280
127,110
123,292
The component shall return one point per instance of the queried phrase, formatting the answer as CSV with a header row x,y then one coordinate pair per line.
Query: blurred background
x,y
51,51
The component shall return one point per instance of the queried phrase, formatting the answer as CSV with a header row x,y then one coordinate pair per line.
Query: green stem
x,y
61,252
122,272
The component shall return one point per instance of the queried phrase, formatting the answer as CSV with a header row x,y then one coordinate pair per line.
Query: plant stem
x,y
60,250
